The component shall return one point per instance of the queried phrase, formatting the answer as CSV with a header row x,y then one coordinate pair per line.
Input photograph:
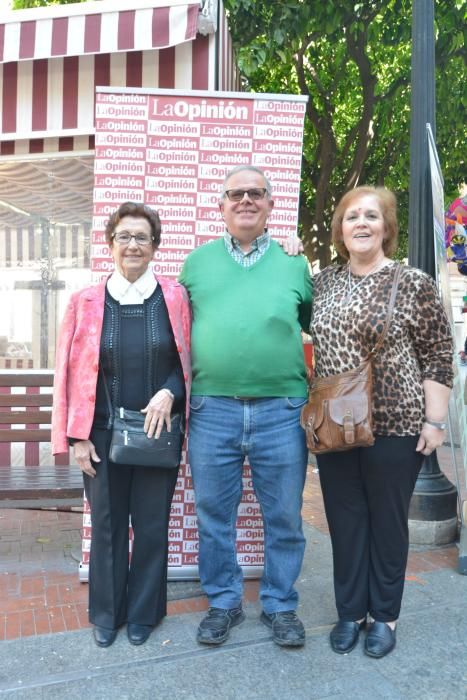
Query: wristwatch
x,y
437,424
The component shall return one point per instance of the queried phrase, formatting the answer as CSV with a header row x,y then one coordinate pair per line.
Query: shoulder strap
x,y
392,301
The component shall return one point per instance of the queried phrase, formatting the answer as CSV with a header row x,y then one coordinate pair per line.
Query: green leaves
x,y
26,4
353,61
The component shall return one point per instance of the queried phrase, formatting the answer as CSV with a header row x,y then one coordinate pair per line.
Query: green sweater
x,y
245,338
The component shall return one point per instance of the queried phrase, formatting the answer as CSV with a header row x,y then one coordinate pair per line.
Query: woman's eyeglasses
x,y
124,237
255,194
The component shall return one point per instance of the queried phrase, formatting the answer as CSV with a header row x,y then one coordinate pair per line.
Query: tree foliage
x,y
352,60
27,4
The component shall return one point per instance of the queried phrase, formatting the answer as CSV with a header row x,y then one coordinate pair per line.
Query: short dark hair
x,y
137,210
388,203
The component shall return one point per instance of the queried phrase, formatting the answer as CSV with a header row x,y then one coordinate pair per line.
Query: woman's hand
x,y
84,451
436,409
157,413
430,438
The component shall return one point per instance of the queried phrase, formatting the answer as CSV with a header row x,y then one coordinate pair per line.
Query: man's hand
x,y
292,246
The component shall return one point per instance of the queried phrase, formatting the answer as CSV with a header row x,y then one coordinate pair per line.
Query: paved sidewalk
x,y
48,651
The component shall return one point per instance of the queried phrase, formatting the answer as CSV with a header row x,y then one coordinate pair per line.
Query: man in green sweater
x,y
250,302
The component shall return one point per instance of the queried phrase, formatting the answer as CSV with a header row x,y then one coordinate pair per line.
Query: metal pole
x,y
434,498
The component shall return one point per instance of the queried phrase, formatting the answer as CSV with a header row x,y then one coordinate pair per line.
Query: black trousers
x,y
120,593
366,495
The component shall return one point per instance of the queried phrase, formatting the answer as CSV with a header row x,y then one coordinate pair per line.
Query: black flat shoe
x,y
344,636
138,634
103,636
380,640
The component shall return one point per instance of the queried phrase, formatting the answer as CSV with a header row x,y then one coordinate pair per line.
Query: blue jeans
x,y
223,431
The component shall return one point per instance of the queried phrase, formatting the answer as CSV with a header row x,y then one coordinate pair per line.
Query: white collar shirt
x,y
126,292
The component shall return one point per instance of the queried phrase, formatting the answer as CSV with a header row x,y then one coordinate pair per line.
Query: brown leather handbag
x,y
338,415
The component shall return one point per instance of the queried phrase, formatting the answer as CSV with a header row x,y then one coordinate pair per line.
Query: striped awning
x,y
96,27
52,59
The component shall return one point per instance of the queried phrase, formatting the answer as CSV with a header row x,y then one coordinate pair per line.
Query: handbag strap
x,y
392,301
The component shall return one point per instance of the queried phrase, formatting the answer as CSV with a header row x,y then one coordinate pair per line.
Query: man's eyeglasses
x,y
255,194
124,237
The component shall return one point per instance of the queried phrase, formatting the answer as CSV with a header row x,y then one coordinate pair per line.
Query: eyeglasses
x,y
124,237
255,194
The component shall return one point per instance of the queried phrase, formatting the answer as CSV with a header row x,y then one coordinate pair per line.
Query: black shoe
x,y
138,634
344,636
215,627
380,640
287,628
103,636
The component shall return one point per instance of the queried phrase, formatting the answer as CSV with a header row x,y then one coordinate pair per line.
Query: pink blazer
x,y
77,360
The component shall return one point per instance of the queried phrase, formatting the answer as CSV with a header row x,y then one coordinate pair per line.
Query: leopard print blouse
x,y
418,344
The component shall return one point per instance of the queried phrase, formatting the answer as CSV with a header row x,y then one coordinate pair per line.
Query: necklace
x,y
351,287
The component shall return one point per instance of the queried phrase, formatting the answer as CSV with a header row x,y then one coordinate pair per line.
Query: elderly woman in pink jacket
x,y
124,342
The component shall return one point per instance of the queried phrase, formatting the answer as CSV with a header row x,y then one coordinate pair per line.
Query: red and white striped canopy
x,y
96,27
51,61
52,58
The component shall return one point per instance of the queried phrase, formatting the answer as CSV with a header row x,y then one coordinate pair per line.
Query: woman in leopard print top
x,y
367,490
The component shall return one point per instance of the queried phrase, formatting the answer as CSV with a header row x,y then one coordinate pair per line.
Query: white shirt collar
x,y
126,292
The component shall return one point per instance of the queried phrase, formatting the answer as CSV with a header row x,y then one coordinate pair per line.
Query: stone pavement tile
x,y
9,547
8,582
427,664
57,622
42,621
12,627
67,593
432,559
70,617
187,605
82,614
56,601
60,577
32,584
52,594
28,627
19,604
430,595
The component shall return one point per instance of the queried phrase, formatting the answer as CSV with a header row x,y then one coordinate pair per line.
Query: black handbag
x,y
130,444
